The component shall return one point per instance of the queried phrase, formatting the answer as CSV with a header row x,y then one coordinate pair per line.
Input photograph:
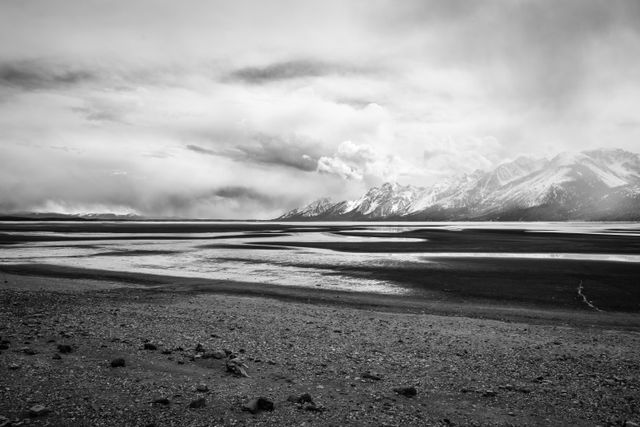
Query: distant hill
x,y
52,216
591,185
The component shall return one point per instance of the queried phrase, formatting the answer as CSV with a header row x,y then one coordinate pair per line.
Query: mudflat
x,y
200,352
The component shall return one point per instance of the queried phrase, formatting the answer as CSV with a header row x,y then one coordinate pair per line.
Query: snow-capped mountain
x,y
591,185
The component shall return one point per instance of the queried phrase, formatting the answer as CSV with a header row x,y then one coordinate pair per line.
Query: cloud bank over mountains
x,y
245,109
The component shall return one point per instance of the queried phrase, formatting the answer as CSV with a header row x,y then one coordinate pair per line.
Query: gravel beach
x,y
77,351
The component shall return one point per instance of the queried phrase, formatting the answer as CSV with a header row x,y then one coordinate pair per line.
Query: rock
x,y
4,346
161,401
65,348
489,393
312,407
56,357
198,403
149,346
118,363
259,404
371,376
29,351
14,366
217,354
199,348
237,368
303,398
406,391
202,388
38,411
166,352
631,424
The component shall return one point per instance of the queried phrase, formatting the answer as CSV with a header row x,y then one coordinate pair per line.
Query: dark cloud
x,y
294,69
201,150
33,75
227,201
246,193
94,114
291,152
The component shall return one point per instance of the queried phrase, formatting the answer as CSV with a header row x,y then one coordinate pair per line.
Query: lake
x,y
534,263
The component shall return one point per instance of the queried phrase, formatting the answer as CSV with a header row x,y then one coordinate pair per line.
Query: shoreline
x,y
467,307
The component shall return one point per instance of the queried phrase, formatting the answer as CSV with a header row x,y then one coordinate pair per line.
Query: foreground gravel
x,y
201,359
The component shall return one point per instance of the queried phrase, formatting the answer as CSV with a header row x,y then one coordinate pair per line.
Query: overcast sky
x,y
244,109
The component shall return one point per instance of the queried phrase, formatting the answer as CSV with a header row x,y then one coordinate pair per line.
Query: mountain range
x,y
591,185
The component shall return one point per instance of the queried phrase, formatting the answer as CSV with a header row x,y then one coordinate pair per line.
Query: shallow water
x,y
275,255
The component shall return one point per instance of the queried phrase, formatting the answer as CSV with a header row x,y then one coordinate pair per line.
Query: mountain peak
x,y
570,186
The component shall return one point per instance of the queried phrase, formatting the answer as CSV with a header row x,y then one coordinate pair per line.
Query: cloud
x,y
31,75
337,166
270,150
246,193
526,51
282,71
201,150
238,109
362,162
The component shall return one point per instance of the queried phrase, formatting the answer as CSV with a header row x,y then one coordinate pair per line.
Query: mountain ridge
x,y
602,184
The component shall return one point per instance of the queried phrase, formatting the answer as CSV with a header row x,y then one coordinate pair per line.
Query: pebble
x,y
118,363
303,398
257,405
217,354
371,376
236,367
198,403
406,391
38,410
312,407
29,351
202,388
65,348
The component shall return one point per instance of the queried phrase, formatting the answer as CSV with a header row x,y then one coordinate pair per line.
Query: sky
x,y
246,109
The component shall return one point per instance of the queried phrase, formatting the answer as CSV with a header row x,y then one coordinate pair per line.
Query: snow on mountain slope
x,y
570,182
313,209
388,200
595,171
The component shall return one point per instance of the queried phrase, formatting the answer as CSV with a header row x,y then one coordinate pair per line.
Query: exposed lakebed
x,y
540,264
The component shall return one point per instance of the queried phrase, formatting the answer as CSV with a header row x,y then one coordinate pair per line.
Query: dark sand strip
x,y
441,303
